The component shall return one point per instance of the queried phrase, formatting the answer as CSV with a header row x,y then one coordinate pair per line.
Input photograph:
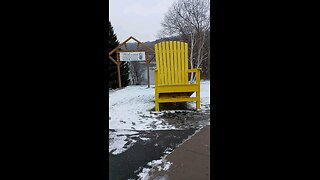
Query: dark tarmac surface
x,y
130,163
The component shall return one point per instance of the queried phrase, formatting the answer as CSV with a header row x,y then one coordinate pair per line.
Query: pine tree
x,y
113,72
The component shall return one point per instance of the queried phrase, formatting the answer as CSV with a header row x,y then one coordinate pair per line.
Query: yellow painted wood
x,y
156,80
168,63
176,81
182,64
164,67
175,88
177,100
161,70
186,61
179,63
171,74
198,91
172,70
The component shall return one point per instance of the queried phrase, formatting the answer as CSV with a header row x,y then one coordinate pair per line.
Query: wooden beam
x,y
132,51
136,40
119,73
113,60
152,58
118,62
142,44
177,100
120,45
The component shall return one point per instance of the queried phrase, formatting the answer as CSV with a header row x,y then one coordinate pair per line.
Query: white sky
x,y
138,18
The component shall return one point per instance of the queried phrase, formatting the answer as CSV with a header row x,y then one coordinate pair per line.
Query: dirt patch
x,y
186,119
182,115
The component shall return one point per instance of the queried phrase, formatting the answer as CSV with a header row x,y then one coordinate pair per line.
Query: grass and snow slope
x,y
131,108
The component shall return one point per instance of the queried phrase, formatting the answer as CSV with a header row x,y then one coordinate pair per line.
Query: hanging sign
x,y
133,56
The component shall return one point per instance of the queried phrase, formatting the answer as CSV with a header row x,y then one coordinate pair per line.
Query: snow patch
x,y
144,175
125,132
167,165
160,164
132,108
116,144
121,140
144,139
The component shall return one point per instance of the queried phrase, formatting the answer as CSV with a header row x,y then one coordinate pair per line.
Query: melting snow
x,y
167,165
130,110
160,164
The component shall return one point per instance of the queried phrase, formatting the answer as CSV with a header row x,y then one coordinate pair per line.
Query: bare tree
x,y
136,72
190,19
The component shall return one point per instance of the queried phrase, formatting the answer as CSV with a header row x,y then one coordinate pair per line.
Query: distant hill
x,y
133,46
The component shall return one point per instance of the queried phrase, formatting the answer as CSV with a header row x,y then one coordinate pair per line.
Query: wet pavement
x,y
191,160
152,146
145,146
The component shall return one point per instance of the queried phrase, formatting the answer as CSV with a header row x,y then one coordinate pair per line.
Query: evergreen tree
x,y
113,71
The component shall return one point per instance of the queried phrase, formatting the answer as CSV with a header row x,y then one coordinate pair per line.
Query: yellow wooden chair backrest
x,y
172,62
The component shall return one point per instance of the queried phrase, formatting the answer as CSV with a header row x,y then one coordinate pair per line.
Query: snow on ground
x,y
131,110
160,164
119,139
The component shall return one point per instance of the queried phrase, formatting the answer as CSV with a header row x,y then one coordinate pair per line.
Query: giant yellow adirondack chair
x,y
171,74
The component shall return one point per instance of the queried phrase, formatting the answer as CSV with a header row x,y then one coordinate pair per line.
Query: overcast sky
x,y
138,18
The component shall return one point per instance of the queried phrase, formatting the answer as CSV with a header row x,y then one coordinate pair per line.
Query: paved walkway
x,y
189,161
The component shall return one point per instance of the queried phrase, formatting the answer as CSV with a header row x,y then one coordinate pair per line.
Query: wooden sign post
x,y
118,65
147,64
131,55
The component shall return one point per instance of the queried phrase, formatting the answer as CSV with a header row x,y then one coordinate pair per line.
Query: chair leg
x,y
198,104
157,102
157,107
198,101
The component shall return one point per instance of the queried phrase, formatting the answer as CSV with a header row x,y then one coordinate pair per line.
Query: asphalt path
x,y
153,145
129,164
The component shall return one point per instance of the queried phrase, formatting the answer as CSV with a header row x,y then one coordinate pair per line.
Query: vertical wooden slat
x,y
171,63
168,63
182,64
164,67
186,61
179,62
156,46
161,63
176,81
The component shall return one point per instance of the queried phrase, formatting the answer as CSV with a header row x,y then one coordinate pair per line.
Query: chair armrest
x,y
194,70
197,71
